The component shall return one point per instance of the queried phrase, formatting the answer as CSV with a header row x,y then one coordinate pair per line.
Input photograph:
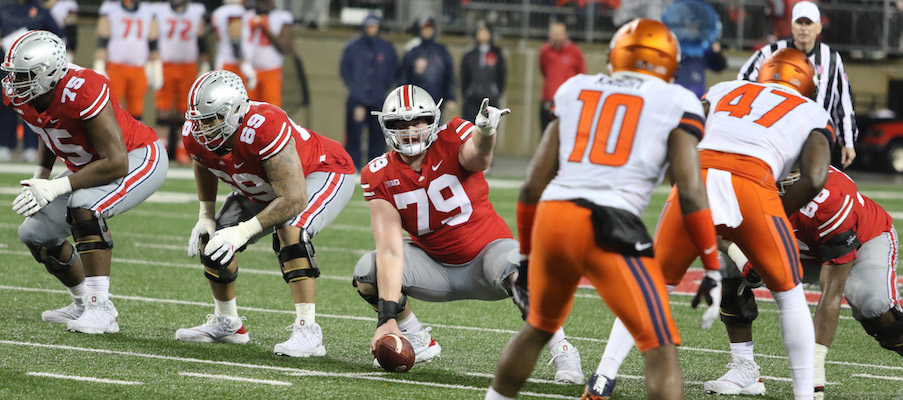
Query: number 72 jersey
x,y
613,133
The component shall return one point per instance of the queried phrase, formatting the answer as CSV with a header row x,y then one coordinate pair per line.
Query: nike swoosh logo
x,y
239,165
435,167
642,246
710,250
53,121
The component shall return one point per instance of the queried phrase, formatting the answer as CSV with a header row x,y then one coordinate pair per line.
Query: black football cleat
x,y
599,387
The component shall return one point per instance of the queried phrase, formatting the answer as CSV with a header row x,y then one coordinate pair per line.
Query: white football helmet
x,y
217,104
407,103
35,63
788,181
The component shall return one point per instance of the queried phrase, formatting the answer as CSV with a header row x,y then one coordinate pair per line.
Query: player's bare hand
x,y
847,155
391,326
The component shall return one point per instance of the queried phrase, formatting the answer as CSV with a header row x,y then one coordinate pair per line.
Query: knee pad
x,y
738,305
216,272
889,336
372,299
304,251
50,257
94,226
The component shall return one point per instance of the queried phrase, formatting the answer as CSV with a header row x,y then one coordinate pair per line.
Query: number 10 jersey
x,y
613,133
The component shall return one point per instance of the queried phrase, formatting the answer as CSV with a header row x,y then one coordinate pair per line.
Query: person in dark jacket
x,y
429,66
483,72
16,18
368,68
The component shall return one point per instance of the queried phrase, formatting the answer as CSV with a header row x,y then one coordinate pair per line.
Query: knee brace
x,y
216,272
91,227
50,257
304,251
889,336
737,308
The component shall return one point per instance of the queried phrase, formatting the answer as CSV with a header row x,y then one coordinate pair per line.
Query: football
x,y
394,353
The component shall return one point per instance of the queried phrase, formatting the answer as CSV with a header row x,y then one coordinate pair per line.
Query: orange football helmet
x,y
646,46
789,67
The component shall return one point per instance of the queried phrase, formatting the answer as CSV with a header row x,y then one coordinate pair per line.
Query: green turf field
x,y
158,289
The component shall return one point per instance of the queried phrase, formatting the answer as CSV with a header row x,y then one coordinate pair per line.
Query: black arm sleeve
x,y
72,37
202,45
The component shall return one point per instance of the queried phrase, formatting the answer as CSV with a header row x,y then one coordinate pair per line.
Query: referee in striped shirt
x,y
833,91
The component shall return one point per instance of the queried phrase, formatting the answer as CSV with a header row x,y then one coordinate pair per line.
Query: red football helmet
x,y
789,67
646,46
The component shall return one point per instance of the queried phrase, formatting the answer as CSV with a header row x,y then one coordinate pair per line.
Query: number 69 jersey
x,y
264,132
445,208
79,97
765,121
613,133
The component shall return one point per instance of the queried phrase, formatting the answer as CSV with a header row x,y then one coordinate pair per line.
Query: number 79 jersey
x,y
445,208
613,133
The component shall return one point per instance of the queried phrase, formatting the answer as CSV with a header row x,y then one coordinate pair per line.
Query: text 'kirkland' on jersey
x,y
445,208
264,132
79,97
765,121
614,133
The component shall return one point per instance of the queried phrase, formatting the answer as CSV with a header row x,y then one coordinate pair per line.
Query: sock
x,y
742,351
226,308
409,323
78,291
306,310
821,353
557,337
493,395
620,341
98,284
798,333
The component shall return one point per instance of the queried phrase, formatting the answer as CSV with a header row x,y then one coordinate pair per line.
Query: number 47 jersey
x,y
613,133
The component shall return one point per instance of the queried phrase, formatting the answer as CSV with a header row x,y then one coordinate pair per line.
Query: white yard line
x,y
82,378
454,327
889,378
235,378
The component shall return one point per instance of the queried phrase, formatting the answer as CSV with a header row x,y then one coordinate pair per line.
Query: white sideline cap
x,y
806,9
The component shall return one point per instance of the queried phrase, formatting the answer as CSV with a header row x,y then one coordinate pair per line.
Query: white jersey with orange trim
x,y
220,19
257,47
129,32
770,122
179,32
613,133
61,9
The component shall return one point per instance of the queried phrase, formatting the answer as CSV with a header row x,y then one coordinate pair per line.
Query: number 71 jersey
x,y
613,133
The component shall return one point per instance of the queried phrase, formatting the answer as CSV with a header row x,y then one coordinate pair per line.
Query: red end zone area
x,y
690,284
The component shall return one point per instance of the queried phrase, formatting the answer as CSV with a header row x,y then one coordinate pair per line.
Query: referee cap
x,y
806,9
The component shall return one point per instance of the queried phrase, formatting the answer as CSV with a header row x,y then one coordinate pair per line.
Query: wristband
x,y
388,310
207,210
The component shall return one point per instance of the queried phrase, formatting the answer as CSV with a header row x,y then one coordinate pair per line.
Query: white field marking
x,y
235,378
890,378
82,378
636,377
370,320
268,367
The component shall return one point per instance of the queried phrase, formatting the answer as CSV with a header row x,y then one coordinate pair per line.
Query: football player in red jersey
x,y
849,246
113,164
286,180
431,185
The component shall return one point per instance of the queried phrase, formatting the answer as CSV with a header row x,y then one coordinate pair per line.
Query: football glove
x,y
205,226
711,284
487,120
519,294
153,70
225,242
40,193
250,75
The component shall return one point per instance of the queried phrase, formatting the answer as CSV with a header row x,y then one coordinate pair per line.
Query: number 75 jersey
x,y
613,133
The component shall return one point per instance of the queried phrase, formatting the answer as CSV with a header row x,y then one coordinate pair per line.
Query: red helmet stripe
x,y
408,94
9,55
194,89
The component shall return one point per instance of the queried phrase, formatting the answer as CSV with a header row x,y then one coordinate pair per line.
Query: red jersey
x,y
445,208
263,133
78,97
838,209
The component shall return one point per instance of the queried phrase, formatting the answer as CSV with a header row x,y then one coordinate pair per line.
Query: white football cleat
x,y
425,348
742,377
306,340
567,363
217,329
100,316
65,314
